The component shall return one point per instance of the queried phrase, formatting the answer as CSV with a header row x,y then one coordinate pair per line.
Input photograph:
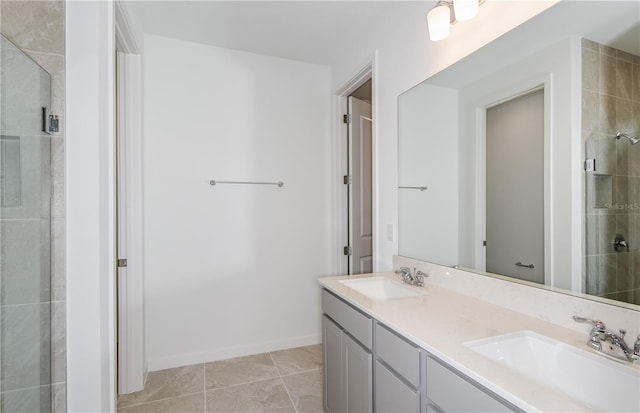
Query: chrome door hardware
x,y
519,264
590,165
50,122
348,251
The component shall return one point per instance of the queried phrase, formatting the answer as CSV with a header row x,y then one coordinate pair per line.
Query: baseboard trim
x,y
180,360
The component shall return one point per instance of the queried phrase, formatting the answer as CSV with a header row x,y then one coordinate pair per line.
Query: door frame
x,y
132,366
523,88
340,159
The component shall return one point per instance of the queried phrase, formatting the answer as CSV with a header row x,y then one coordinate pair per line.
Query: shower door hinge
x,y
346,118
122,262
346,179
590,165
348,250
50,122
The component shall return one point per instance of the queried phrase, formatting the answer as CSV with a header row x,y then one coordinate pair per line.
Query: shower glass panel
x,y
612,221
25,235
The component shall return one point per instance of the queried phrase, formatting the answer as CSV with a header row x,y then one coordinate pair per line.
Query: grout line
x,y
284,384
242,384
300,372
159,400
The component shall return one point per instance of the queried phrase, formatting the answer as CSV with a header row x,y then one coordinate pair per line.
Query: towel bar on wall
x,y
214,182
422,188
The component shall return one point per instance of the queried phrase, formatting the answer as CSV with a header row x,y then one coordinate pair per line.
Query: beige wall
x,y
611,104
37,27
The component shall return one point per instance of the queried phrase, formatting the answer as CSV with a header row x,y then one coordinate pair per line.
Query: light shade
x,y
465,9
438,20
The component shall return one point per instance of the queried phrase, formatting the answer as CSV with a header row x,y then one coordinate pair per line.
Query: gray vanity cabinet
x,y
362,355
396,372
451,392
348,361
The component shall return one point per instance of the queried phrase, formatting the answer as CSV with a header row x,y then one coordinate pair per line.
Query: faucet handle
x,y
595,323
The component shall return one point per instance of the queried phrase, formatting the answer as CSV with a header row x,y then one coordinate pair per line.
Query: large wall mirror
x,y
521,159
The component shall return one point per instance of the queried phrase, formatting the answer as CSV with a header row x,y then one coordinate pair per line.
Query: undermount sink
x,y
589,378
381,288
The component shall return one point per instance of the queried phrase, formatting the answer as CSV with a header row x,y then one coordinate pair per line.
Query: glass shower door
x,y
25,234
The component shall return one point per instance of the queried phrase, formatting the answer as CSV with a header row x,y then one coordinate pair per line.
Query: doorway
x,y
130,345
355,171
360,180
515,226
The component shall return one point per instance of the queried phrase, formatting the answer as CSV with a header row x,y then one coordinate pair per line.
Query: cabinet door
x,y
358,376
393,395
333,398
454,393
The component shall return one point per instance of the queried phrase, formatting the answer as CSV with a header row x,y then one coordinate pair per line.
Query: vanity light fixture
x,y
440,17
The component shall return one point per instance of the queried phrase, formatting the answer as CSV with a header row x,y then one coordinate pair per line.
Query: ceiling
x,y
310,31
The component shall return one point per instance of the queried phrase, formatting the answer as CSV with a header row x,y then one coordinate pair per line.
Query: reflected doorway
x,y
514,243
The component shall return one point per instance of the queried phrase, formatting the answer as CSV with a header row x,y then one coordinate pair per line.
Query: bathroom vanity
x,y
414,352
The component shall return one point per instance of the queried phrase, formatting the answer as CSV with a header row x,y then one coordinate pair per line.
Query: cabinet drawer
x,y
453,393
398,353
392,395
353,321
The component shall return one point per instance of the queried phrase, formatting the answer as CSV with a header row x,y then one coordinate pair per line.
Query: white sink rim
x,y
382,288
602,375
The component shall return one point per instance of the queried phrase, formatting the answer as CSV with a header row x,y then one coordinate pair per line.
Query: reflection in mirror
x,y
582,61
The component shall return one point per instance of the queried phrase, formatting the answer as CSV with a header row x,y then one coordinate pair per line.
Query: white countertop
x,y
443,320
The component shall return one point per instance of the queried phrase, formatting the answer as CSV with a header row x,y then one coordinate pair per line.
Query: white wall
x,y
231,269
428,220
406,57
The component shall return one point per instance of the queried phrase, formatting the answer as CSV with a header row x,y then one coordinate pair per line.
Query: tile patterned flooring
x,y
281,381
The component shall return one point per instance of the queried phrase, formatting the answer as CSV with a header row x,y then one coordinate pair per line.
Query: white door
x,y
130,283
515,188
360,190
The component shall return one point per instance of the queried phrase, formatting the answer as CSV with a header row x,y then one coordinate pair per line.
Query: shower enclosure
x,y
613,217
25,234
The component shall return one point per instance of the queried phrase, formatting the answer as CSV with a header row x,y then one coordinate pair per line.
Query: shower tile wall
x,y
37,27
611,104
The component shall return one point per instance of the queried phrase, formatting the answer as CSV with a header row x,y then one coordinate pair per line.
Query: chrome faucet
x,y
599,334
415,277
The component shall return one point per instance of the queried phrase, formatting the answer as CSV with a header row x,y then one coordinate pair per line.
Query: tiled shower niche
x,y
611,105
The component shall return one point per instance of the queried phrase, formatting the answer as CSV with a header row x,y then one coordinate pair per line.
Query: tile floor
x,y
281,381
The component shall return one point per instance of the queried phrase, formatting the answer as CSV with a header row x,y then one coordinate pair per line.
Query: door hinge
x,y
122,262
50,122
346,118
348,250
484,243
590,165
346,179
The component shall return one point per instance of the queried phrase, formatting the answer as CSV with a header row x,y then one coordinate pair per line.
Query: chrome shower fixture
x,y
632,139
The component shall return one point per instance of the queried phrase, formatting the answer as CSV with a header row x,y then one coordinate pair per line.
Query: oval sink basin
x,y
589,378
381,288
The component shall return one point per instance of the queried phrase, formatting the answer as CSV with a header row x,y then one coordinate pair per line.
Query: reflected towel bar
x,y
214,182
422,188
